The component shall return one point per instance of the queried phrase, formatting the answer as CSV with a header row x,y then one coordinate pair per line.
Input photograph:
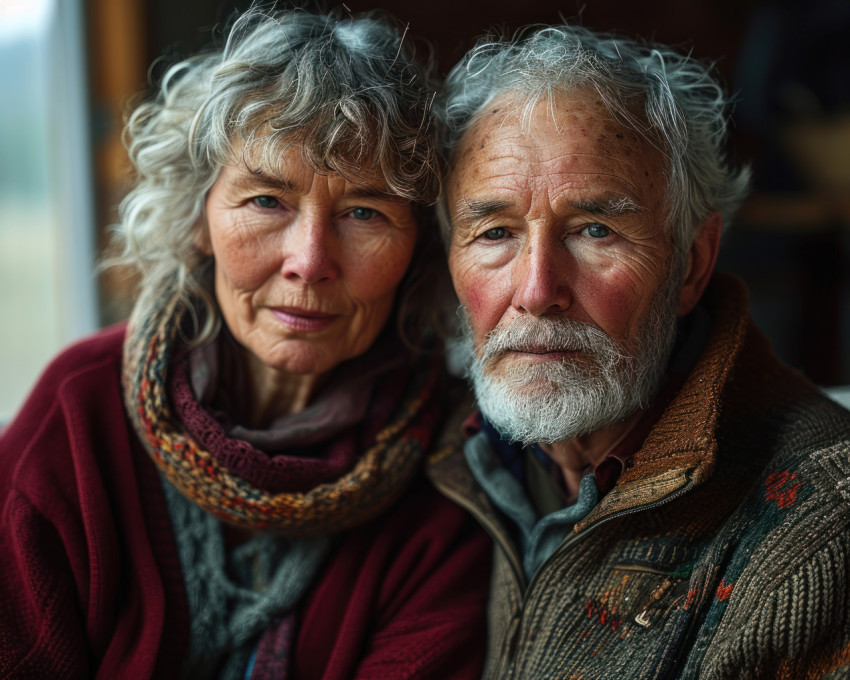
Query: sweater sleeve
x,y
405,598
788,614
42,631
798,629
80,587
43,580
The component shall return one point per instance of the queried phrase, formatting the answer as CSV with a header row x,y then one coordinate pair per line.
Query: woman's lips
x,y
303,320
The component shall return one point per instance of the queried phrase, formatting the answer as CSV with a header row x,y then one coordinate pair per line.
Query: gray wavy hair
x,y
669,98
344,88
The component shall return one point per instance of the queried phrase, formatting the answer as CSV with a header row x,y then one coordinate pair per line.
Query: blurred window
x,y
47,279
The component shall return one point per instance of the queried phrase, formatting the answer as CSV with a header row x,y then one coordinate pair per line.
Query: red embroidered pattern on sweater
x,y
724,591
774,484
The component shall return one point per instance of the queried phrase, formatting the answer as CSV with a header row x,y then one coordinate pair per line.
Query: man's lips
x,y
305,320
541,353
541,349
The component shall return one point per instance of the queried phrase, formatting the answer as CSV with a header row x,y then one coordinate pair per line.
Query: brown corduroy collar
x,y
680,450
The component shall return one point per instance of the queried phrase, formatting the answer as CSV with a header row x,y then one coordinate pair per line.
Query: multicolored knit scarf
x,y
378,478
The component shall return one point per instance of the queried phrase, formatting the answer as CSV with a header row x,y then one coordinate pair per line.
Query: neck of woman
x,y
273,393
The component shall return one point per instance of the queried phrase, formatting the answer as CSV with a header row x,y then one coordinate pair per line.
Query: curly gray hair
x,y
345,89
669,98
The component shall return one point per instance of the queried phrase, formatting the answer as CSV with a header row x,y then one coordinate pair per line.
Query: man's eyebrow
x,y
607,207
471,210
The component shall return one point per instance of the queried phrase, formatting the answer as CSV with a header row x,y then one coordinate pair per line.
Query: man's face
x,y
562,220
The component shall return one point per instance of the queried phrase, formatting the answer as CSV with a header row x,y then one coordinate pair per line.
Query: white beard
x,y
551,401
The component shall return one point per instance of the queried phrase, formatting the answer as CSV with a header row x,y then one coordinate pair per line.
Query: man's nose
x,y
541,278
309,250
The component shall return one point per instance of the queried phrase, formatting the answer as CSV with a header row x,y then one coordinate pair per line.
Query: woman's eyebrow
x,y
361,191
259,178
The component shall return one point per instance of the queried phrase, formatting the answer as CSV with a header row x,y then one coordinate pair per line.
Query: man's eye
x,y
495,234
364,213
596,230
267,202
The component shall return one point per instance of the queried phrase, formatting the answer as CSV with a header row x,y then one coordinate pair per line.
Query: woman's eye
x,y
596,230
364,213
267,202
495,234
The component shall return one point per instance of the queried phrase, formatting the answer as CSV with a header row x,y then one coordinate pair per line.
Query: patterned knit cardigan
x,y
723,551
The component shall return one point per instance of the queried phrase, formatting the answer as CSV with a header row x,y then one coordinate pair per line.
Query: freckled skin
x,y
315,244
546,261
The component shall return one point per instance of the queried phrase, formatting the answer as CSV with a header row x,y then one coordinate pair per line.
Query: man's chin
x,y
530,383
533,389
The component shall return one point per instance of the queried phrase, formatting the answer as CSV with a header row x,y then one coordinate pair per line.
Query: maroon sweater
x,y
90,581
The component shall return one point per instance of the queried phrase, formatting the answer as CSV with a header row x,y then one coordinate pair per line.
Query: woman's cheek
x,y
246,263
381,261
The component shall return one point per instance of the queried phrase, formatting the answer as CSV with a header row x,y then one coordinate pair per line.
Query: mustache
x,y
549,334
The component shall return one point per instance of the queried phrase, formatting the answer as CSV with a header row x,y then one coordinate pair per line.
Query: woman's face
x,y
306,265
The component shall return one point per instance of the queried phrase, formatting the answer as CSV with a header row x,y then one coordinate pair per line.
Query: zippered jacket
x,y
723,551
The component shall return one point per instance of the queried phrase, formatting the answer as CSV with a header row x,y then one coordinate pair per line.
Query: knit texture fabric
x,y
376,480
210,395
91,585
236,595
722,551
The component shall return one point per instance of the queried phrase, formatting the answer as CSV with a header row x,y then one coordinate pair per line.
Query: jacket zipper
x,y
569,542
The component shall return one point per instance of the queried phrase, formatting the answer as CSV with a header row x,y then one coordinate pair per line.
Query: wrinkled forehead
x,y
271,153
577,113
569,138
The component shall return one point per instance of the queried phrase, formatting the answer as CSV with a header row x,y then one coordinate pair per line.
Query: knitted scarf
x,y
377,479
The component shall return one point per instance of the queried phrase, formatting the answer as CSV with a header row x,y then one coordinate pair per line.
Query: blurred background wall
x,y
787,62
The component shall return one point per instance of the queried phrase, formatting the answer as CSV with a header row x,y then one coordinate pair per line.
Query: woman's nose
x,y
309,251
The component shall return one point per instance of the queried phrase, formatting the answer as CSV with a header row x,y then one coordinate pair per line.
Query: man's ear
x,y
700,262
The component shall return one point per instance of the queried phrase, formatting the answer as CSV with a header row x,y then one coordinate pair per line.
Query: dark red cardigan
x,y
90,581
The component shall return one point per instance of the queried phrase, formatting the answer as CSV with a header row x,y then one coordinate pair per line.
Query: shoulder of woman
x,y
91,352
97,358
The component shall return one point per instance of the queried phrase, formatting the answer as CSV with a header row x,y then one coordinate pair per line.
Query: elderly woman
x,y
231,486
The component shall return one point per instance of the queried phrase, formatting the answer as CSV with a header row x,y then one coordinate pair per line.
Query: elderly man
x,y
667,499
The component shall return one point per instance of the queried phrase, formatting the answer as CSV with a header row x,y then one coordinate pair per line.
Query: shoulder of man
x,y
780,596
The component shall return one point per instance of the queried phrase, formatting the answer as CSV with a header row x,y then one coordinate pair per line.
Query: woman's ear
x,y
700,262
202,237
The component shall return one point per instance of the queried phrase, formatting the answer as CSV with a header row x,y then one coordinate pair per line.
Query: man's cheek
x,y
485,307
467,282
475,303
612,298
